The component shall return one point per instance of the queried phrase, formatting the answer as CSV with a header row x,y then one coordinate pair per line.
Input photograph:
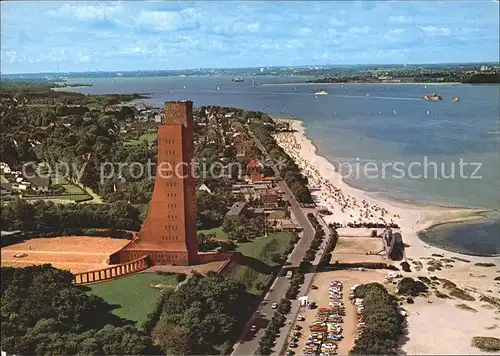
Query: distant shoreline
x,y
354,83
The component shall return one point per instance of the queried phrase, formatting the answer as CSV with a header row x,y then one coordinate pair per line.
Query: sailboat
x,y
184,87
428,112
218,87
394,112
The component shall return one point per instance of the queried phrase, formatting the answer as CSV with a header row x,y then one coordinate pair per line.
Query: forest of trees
x,y
43,216
42,313
204,313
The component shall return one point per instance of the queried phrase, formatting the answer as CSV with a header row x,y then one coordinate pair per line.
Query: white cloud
x,y
395,31
134,50
228,27
400,19
321,56
88,12
441,31
305,31
359,30
253,27
394,34
335,22
241,27
84,58
294,44
10,56
168,20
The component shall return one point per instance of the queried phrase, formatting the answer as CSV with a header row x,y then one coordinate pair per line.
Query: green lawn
x,y
150,137
277,214
261,248
135,294
217,231
68,186
55,198
73,189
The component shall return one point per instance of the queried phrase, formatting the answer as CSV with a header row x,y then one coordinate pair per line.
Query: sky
x,y
44,36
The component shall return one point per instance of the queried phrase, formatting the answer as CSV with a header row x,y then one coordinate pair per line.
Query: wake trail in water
x,y
309,94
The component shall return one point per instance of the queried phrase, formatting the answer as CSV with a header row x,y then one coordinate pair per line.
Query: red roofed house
x,y
254,170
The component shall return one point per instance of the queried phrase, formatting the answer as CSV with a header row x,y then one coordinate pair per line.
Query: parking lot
x,y
322,296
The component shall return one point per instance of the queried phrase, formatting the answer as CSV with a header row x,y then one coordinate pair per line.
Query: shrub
x,y
409,286
486,343
383,323
405,266
483,264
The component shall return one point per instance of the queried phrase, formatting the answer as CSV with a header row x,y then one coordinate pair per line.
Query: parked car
x,y
314,287
274,305
300,318
253,328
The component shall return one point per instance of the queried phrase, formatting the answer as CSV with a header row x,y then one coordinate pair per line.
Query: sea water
x,y
380,123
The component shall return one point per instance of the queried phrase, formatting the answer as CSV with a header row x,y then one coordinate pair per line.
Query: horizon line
x,y
255,67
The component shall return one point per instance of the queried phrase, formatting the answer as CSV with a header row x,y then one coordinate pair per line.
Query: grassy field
x,y
59,198
277,214
135,294
261,248
80,194
217,231
150,137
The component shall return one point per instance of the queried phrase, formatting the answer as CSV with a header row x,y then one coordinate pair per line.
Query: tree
x,y
172,339
44,314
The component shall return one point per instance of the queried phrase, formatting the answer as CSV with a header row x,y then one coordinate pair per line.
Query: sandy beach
x,y
454,330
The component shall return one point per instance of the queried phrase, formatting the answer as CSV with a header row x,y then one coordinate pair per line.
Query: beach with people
x,y
463,287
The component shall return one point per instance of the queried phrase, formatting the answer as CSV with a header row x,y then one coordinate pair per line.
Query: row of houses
x,y
13,181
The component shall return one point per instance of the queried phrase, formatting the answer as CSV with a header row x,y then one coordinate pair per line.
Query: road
x,y
249,342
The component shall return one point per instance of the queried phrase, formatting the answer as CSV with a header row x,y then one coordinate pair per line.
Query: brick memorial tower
x,y
168,234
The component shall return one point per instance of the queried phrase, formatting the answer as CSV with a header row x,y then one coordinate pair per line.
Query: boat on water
x,y
321,92
455,99
238,80
433,97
